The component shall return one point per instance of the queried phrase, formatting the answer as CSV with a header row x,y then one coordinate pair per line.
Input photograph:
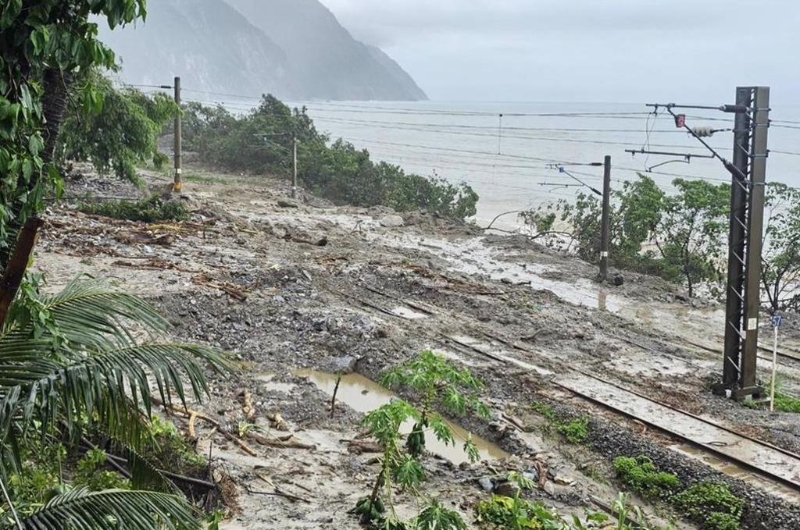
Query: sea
x,y
522,156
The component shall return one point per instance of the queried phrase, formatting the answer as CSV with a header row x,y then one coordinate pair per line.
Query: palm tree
x,y
84,361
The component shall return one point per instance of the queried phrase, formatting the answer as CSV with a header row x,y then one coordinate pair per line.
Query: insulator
x,y
703,132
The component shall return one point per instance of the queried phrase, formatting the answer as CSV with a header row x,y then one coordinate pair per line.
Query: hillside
x,y
295,49
327,61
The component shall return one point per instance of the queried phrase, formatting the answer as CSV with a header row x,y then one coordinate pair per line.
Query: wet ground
x,y
297,294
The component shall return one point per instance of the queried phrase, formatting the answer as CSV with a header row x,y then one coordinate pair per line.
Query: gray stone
x,y
392,221
487,484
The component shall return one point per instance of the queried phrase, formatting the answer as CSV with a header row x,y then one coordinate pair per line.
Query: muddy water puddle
x,y
364,395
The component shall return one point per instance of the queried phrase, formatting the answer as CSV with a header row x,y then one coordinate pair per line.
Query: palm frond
x,y
144,473
91,314
106,387
82,509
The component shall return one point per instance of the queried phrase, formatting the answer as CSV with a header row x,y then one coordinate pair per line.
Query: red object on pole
x,y
680,121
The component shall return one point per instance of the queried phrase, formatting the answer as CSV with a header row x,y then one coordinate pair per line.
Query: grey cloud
x,y
612,50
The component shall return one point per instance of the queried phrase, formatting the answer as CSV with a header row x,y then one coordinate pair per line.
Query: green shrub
x,y
712,504
642,476
576,431
262,142
115,129
786,403
150,210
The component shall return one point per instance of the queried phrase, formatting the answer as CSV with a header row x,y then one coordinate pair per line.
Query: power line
x,y
489,135
784,152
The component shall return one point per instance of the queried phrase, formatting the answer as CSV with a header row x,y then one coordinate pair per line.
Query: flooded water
x,y
473,256
364,395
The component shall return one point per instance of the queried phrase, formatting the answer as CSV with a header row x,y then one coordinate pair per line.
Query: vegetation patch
x,y
437,380
261,142
712,505
574,430
514,513
150,210
786,403
643,477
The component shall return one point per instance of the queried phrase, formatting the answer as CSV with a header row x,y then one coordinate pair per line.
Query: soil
x,y
290,285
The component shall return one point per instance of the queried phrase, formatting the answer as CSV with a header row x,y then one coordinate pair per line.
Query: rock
x,y
550,489
392,221
506,488
618,280
487,484
285,203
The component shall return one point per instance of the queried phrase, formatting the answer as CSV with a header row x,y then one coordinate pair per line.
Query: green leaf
x,y
81,509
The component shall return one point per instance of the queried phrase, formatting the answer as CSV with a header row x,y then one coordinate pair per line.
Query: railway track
x,y
759,463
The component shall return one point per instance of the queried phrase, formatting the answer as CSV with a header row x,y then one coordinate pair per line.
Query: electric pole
x,y
755,239
605,236
294,167
746,237
178,181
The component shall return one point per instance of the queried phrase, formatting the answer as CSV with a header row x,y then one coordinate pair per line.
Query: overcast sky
x,y
586,50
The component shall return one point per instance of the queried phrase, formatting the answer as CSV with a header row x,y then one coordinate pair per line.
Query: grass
x,y
150,210
643,477
710,504
574,430
786,403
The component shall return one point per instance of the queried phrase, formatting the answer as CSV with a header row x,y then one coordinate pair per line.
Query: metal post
x,y
178,182
774,368
605,236
737,242
755,240
294,168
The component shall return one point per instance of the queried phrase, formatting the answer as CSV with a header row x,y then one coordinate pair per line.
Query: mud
x,y
248,276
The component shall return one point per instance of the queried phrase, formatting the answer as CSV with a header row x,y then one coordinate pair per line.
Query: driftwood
x,y
288,443
217,424
278,491
362,446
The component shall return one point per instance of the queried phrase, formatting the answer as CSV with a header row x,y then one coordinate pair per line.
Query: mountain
x,y
327,61
294,49
207,43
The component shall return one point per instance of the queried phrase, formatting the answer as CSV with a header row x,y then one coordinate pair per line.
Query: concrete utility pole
x,y
605,237
294,167
178,181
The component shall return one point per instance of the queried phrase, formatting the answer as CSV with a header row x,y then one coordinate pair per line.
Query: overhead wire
x,y
442,128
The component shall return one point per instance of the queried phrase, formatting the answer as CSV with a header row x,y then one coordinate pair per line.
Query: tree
x,y
69,367
114,129
42,44
437,380
690,234
636,210
780,273
261,141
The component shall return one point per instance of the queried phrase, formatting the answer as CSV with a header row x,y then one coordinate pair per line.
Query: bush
x,y
712,504
114,129
261,142
576,431
150,210
642,476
